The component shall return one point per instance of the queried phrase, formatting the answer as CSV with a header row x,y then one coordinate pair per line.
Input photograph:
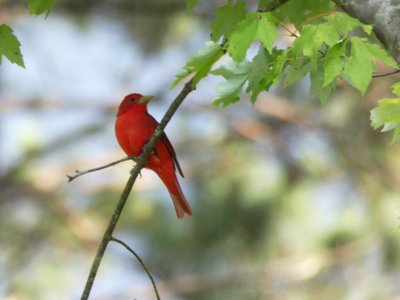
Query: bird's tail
x,y
181,205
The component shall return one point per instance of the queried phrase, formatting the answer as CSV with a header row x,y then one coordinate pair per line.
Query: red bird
x,y
133,128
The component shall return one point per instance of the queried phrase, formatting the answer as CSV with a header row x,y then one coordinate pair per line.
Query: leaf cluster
x,y
10,47
326,45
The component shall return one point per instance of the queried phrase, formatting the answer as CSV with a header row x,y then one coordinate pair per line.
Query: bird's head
x,y
136,102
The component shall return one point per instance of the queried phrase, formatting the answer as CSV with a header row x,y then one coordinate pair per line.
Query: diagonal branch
x,y
140,163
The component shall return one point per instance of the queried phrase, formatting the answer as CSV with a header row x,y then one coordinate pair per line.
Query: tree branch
x,y
140,262
80,173
140,163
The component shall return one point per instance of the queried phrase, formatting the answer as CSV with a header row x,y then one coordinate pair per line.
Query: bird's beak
x,y
145,99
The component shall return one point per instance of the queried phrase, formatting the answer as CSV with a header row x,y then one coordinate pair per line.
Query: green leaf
x,y
387,111
295,73
263,3
201,63
37,7
319,7
258,77
305,44
254,26
312,38
236,74
360,66
191,3
396,89
10,46
302,11
265,71
387,114
317,84
344,23
381,54
266,31
334,62
182,74
226,19
396,133
325,92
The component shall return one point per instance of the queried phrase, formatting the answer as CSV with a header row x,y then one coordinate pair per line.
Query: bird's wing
x,y
164,139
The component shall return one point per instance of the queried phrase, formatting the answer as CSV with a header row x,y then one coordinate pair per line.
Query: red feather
x,y
133,128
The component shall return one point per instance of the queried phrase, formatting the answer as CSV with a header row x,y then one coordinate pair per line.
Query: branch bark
x,y
384,16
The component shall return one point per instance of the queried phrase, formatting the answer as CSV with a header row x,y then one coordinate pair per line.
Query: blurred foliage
x,y
290,200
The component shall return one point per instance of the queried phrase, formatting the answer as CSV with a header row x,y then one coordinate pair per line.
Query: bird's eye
x,y
132,99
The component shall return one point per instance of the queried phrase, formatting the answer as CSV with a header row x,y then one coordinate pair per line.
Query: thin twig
x,y
140,163
80,173
386,74
272,5
140,262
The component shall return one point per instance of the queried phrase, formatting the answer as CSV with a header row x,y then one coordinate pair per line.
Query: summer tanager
x,y
133,128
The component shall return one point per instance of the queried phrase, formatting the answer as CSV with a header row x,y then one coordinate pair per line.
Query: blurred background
x,y
291,199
